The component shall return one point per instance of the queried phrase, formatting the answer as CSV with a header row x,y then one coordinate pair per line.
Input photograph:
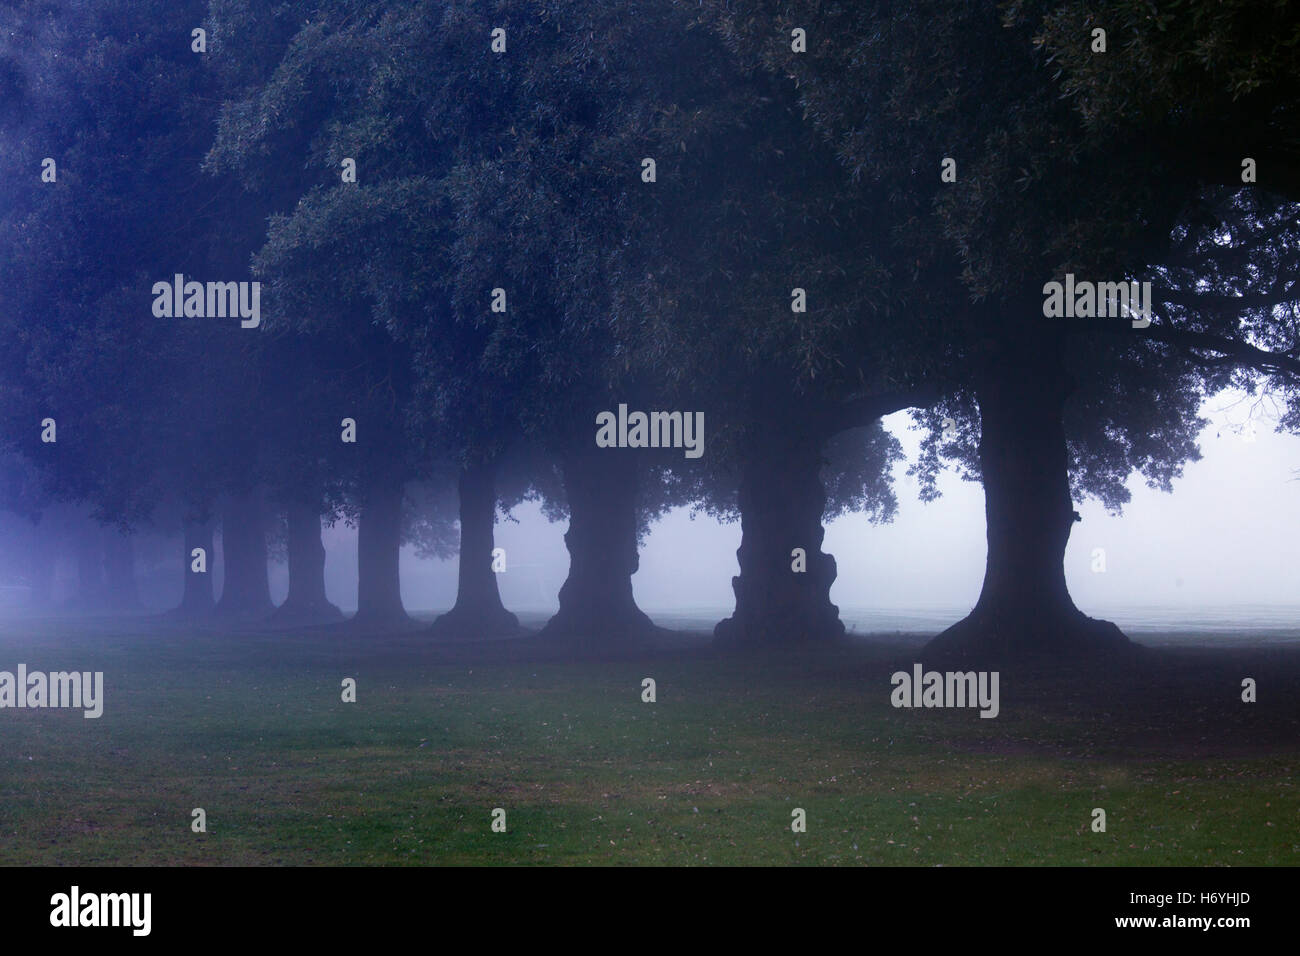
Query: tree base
x,y
734,634
1003,639
304,614
461,624
243,613
600,635
393,620
184,612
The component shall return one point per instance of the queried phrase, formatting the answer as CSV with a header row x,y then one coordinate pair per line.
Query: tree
x,y
458,240
321,236
123,110
1035,194
762,296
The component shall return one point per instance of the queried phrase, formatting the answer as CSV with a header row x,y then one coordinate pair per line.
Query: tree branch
x,y
858,412
1240,352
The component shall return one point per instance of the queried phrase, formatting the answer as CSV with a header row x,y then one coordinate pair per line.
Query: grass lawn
x,y
250,726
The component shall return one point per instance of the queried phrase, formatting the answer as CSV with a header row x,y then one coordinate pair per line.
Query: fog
x,y
1225,536
1223,541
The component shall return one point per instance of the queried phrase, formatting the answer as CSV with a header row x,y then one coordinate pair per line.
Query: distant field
x,y
249,726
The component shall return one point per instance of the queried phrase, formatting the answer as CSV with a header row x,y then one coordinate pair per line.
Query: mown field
x,y
250,726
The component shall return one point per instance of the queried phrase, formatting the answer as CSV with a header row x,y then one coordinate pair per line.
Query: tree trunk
x,y
306,602
196,598
478,611
782,597
43,558
379,548
1025,609
246,591
91,591
40,546
119,563
597,608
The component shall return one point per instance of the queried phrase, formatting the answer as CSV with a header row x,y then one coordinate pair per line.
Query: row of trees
x,y
480,225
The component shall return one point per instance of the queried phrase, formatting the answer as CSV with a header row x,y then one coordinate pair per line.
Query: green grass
x,y
250,727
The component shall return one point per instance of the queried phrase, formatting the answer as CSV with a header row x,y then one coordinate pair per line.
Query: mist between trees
x,y
406,265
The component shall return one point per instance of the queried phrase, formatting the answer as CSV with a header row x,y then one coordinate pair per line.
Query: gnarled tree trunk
x,y
782,597
379,547
92,591
246,591
1025,609
119,565
478,611
597,608
196,596
306,602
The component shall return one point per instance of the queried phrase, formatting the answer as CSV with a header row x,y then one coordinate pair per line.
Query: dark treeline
x,y
406,264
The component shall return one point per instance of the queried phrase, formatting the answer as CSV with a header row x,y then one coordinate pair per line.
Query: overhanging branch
x,y
858,412
1242,353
